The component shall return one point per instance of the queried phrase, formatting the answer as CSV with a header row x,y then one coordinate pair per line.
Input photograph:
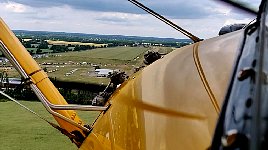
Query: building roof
x,y
103,71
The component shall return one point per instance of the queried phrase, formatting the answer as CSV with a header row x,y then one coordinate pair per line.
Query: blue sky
x,y
203,18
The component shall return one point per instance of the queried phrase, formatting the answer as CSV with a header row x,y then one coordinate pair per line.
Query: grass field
x,y
123,58
81,75
20,130
116,53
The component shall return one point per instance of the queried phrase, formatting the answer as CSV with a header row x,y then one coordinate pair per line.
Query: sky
x,y
203,18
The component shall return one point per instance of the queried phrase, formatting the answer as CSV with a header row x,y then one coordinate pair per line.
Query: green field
x,y
81,75
116,53
123,58
20,130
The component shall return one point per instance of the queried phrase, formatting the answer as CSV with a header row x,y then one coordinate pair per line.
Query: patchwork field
x,y
20,130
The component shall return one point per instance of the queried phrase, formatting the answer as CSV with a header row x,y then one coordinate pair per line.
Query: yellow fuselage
x,y
171,104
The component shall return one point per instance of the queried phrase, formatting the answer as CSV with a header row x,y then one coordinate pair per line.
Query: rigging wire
x,y
168,22
63,131
23,106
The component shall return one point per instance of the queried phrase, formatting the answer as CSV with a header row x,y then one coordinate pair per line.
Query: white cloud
x,y
221,10
68,19
15,7
122,19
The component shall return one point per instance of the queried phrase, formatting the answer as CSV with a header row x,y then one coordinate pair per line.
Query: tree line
x,y
40,44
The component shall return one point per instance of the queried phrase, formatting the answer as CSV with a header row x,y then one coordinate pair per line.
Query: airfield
x,y
78,66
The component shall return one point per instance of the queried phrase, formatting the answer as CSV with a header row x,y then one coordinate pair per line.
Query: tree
x,y
43,45
77,48
31,52
38,51
27,44
58,48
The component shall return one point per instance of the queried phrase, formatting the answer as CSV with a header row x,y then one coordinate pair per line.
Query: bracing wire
x,y
168,22
23,106
39,116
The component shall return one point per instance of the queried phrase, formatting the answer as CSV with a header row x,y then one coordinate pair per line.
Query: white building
x,y
103,72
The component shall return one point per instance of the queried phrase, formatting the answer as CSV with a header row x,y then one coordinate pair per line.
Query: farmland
x,y
117,53
21,130
74,43
57,65
81,63
113,58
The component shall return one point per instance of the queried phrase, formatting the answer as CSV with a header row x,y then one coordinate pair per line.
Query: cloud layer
x,y
203,18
